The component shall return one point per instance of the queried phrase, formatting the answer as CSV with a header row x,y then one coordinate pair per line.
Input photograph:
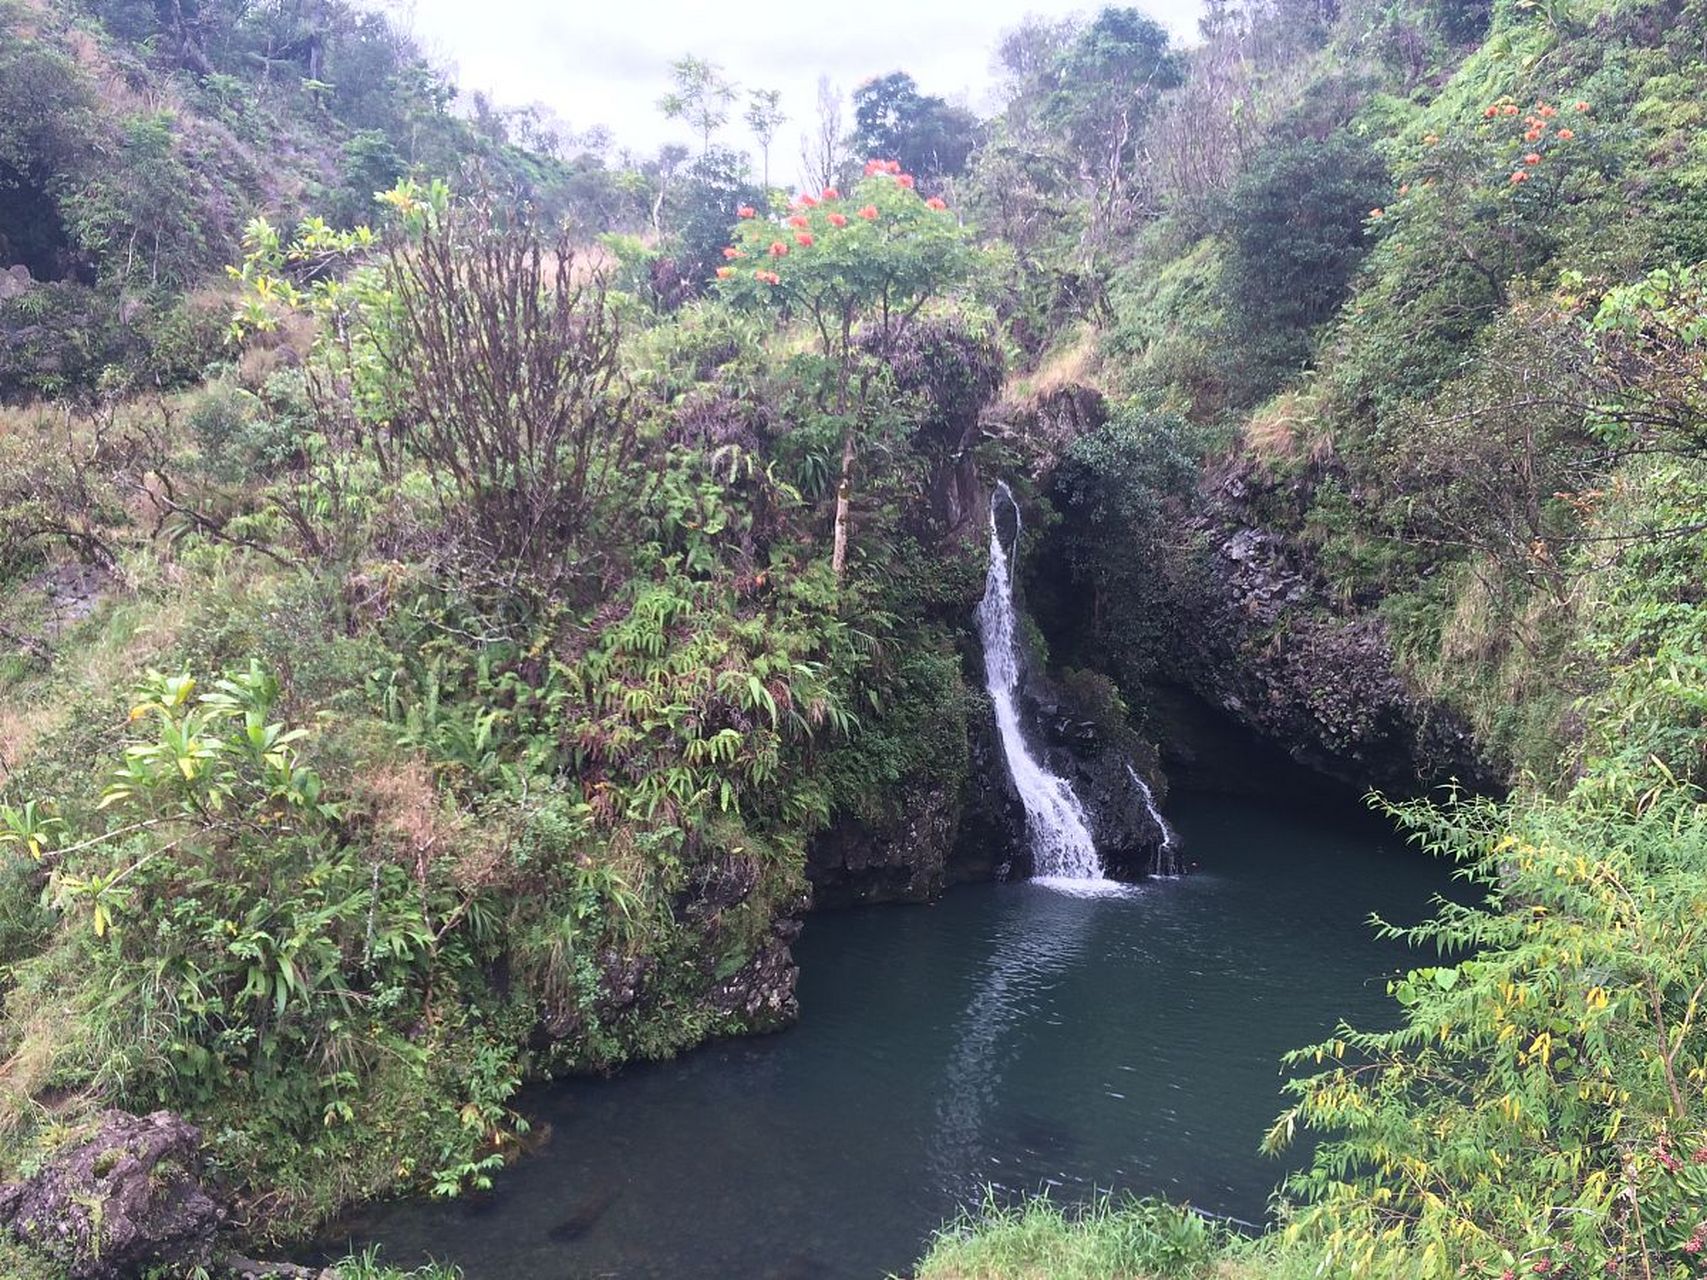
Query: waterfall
x,y
1061,843
1166,861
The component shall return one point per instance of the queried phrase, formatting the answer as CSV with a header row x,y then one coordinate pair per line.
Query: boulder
x,y
14,281
127,1197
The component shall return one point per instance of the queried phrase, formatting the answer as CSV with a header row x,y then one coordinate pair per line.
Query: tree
x,y
873,257
704,205
671,157
893,120
1107,82
824,154
764,116
701,97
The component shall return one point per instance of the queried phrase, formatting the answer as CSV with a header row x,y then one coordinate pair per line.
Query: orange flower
x,y
1491,112
1532,158
1510,109
759,273
1522,175
772,277
778,248
798,221
1429,139
745,211
874,166
723,273
906,180
1582,106
731,252
1533,135
838,220
894,166
1404,188
830,193
1565,135
1547,113
1377,213
803,239
935,202
869,213
807,202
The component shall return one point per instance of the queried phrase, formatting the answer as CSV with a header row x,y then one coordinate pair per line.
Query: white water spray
x,y
1166,861
1061,844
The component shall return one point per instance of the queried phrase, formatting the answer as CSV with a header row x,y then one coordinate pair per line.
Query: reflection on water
x,y
1041,935
1010,1036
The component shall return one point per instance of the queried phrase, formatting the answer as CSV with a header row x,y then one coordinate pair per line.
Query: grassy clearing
x,y
1105,1240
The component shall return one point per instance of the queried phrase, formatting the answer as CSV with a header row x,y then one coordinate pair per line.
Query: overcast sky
x,y
606,62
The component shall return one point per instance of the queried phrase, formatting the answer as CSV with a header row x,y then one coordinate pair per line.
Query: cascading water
x,y
1061,844
1166,862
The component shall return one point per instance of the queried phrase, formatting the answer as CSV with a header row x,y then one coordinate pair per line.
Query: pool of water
x,y
1009,1036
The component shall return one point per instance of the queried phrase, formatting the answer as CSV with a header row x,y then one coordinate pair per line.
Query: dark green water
x,y
1010,1036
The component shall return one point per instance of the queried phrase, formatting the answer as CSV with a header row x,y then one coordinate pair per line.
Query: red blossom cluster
x,y
801,223
1535,127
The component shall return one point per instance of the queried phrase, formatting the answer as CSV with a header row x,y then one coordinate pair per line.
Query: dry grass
x,y
1075,363
1287,429
285,346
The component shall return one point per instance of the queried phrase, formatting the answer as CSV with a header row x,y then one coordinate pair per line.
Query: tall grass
x,y
1106,1239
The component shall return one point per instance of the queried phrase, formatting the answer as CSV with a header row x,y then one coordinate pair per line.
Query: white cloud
x,y
607,62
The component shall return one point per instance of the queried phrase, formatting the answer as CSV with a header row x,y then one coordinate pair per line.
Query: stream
x,y
1016,1037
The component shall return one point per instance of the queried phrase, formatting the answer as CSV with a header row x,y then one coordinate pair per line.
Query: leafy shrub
x,y
1112,488
1537,1109
1294,228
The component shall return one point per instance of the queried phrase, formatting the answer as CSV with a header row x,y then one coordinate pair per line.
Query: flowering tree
x,y
872,258
1494,191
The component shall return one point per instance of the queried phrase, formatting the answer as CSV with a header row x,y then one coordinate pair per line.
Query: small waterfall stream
x,y
1166,860
1061,844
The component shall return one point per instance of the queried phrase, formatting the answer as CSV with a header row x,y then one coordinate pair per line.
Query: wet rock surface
x,y
1261,638
1099,760
991,841
126,1198
760,995
907,859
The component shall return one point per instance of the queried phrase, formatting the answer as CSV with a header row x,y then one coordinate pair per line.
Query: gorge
x,y
579,708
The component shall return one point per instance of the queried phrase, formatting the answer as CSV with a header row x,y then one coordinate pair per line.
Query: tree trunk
x,y
844,500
